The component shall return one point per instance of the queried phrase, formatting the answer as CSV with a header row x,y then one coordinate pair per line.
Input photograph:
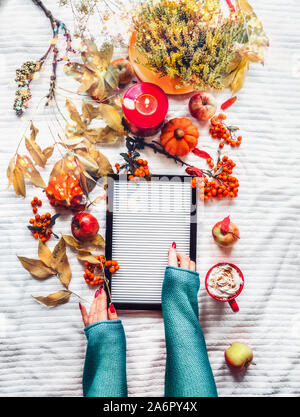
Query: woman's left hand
x,y
98,311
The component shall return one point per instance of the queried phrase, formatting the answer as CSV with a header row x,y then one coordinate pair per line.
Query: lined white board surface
x,y
147,217
42,350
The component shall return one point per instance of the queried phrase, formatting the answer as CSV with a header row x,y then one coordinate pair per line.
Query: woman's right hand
x,y
179,259
98,309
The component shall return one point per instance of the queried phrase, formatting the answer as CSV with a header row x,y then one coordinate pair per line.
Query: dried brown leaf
x,y
101,135
86,182
88,80
45,254
240,76
75,70
61,263
72,142
58,169
71,241
112,117
98,89
36,152
48,152
33,148
64,272
88,163
33,132
98,240
87,256
89,112
94,59
58,252
54,299
112,77
36,267
104,166
10,170
105,54
74,115
18,181
244,6
29,171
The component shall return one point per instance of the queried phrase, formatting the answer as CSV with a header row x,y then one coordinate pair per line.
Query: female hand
x,y
98,309
179,259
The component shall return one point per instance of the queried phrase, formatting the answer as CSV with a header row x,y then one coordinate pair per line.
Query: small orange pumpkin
x,y
179,136
64,190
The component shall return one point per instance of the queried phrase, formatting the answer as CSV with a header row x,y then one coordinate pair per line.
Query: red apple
x,y
202,105
227,239
84,226
239,356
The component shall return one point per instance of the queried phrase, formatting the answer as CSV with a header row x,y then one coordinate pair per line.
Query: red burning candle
x,y
145,107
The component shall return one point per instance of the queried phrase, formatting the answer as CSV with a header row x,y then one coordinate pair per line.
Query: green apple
x,y
239,356
228,239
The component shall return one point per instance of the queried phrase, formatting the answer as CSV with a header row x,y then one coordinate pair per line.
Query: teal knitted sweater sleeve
x,y
104,373
188,371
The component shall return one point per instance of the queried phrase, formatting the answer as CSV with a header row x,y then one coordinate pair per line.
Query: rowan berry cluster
x,y
35,203
222,184
94,274
136,168
40,226
226,134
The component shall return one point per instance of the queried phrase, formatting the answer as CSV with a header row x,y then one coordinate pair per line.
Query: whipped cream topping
x,y
224,281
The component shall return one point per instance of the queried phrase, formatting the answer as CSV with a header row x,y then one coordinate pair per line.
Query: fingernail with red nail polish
x,y
96,293
80,306
174,245
100,290
112,308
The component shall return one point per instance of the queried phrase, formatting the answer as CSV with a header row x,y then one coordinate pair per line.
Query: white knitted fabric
x,y
42,350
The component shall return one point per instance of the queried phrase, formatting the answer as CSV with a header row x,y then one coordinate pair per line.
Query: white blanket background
x,y
42,350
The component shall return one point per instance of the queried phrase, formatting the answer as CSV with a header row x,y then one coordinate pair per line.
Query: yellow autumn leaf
x,y
36,267
54,299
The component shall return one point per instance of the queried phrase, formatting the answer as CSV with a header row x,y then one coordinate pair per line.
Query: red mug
x,y
233,304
